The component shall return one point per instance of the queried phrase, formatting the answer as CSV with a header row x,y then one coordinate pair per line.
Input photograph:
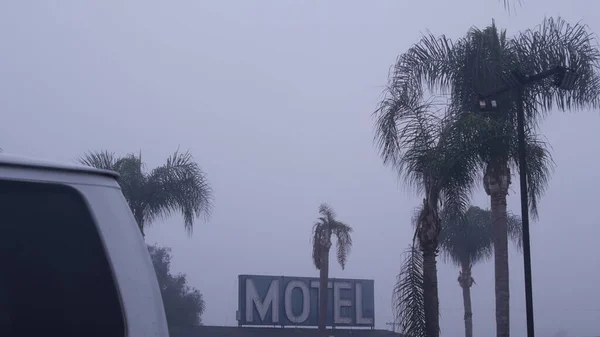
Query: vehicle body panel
x,y
132,267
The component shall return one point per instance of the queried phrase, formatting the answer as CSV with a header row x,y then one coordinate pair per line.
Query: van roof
x,y
27,162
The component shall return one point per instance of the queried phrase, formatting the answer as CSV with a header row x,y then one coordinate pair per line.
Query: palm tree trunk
x,y
468,311
465,280
430,294
496,181
500,235
428,233
323,292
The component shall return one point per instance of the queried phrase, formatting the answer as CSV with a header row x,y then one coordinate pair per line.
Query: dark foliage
x,y
323,230
184,305
178,186
474,64
408,301
468,238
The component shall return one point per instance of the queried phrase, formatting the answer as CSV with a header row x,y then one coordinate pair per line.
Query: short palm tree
x,y
327,227
475,64
419,143
177,186
466,241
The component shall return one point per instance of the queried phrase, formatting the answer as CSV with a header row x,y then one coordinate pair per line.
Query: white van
x,y
72,259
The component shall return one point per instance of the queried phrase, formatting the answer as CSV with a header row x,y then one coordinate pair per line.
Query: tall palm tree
x,y
475,64
178,186
466,241
327,227
420,144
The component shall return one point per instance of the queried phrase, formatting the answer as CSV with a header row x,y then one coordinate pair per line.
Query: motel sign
x,y
294,301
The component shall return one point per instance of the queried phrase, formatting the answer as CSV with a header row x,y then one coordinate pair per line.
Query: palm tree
x,y
177,186
466,241
475,64
326,227
421,146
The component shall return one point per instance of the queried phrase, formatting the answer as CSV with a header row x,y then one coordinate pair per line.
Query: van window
x,y
55,277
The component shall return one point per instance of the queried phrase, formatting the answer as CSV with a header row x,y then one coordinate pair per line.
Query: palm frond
x,y
131,180
515,230
326,211
407,131
480,60
133,185
557,43
179,186
428,64
507,4
101,159
459,170
540,166
344,242
416,213
421,143
408,302
322,232
466,239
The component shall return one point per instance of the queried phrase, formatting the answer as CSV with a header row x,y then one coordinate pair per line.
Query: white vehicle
x,y
72,259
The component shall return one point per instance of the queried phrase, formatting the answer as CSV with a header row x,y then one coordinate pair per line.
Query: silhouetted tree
x,y
327,227
421,145
476,64
183,304
468,240
178,186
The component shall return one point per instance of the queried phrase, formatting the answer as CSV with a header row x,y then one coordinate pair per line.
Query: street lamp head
x,y
487,104
565,78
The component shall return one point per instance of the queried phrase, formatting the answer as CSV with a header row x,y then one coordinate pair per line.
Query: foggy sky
x,y
274,99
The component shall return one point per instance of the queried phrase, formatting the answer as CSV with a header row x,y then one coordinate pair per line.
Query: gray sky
x,y
274,97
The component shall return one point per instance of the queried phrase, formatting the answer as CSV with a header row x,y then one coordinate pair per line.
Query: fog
x,y
274,99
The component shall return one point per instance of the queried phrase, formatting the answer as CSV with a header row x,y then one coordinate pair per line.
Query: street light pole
x,y
525,211
564,78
